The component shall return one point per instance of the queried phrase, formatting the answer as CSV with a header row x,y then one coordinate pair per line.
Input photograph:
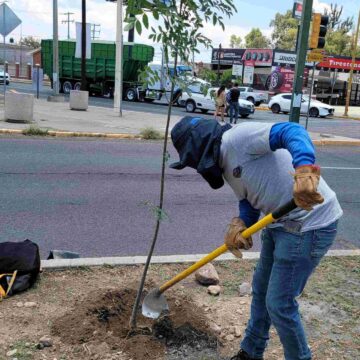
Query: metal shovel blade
x,y
154,304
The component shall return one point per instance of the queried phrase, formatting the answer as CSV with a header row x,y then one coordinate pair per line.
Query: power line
x,y
68,21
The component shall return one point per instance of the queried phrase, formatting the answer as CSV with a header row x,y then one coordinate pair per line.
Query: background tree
x,y
179,30
256,40
338,38
31,42
235,42
284,31
208,75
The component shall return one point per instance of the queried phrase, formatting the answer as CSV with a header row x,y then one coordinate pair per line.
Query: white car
x,y
2,77
282,103
248,93
198,101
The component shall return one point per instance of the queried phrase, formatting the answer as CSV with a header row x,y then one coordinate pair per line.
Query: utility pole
x,y
55,49
300,61
118,58
83,46
94,32
356,39
68,21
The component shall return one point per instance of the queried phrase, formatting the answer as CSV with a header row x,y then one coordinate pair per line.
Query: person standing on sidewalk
x,y
233,100
220,103
266,165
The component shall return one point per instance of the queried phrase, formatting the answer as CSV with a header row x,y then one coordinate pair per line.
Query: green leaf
x,y
145,20
129,26
138,27
214,19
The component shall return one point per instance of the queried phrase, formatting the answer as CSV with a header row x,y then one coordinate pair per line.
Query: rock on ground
x,y
207,275
244,289
214,290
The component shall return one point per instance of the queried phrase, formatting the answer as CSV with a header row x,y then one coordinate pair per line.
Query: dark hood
x,y
198,142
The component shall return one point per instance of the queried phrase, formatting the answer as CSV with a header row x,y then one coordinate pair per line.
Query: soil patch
x,y
104,318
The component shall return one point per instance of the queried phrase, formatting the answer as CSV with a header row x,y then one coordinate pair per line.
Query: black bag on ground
x,y
19,266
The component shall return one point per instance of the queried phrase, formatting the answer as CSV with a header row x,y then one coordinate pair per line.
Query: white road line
x,y
338,168
170,259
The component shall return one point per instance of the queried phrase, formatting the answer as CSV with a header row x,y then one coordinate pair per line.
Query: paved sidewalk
x,y
58,116
99,121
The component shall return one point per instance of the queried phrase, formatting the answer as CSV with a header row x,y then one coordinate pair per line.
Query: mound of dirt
x,y
104,318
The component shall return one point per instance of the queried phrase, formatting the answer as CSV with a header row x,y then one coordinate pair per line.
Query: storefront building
x,y
332,78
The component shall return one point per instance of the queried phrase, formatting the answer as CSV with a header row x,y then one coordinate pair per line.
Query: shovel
x,y
155,303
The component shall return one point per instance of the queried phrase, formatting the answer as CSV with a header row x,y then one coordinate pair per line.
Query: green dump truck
x,y
100,69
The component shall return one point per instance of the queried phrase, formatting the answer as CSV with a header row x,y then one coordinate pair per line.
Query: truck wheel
x,y
131,95
244,116
204,111
190,106
251,99
67,87
77,86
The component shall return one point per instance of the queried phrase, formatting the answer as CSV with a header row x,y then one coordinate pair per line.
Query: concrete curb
x,y
170,259
337,142
55,133
75,134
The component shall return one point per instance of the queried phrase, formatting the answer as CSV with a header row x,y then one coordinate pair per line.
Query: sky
x,y
36,16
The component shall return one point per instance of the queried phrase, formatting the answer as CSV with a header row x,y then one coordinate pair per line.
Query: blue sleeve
x,y
247,213
295,139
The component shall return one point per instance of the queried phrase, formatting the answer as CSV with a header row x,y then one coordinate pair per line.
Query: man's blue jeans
x,y
287,260
234,111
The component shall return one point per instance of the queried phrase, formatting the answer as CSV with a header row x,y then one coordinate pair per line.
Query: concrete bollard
x,y
79,100
19,107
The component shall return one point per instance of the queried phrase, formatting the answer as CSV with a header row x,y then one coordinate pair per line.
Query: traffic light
x,y
318,31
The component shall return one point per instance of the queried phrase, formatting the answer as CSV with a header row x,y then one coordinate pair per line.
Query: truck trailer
x,y
100,69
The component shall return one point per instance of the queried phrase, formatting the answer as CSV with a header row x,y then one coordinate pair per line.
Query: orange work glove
x,y
305,187
233,239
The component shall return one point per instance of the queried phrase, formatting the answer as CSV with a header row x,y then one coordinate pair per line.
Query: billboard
x,y
284,57
258,57
227,56
282,78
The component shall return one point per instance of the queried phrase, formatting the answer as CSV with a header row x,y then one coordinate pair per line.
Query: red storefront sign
x,y
258,57
339,63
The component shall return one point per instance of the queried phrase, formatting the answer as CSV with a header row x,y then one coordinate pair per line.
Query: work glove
x,y
233,239
305,186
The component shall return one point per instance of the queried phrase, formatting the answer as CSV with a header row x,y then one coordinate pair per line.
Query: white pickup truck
x,y
248,93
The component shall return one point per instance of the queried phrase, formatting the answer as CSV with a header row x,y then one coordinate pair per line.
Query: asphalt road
x,y
92,196
334,126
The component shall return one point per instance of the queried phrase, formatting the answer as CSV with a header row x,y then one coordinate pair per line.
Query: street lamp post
x,y
218,69
349,88
55,49
83,46
119,58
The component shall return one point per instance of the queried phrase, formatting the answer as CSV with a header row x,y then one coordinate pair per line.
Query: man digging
x,y
266,165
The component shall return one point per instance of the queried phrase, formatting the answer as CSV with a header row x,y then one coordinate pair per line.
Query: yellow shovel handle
x,y
268,219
